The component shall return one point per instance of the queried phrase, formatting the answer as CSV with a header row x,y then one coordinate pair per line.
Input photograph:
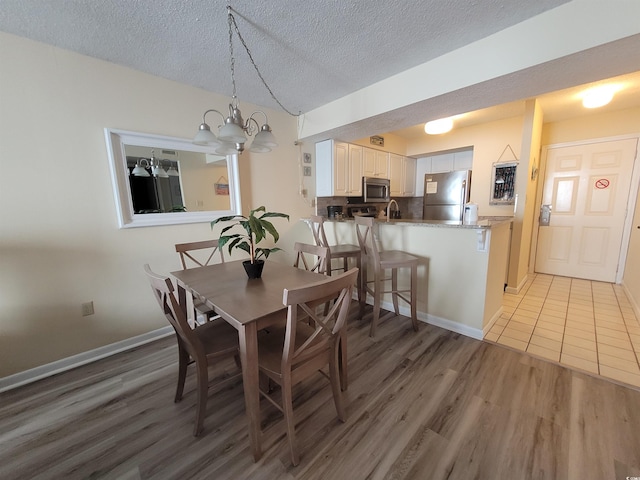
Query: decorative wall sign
x,y
221,187
377,140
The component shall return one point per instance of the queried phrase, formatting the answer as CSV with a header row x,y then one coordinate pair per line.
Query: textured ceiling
x,y
309,51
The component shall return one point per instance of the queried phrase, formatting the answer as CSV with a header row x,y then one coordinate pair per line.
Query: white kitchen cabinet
x,y
338,169
442,163
422,168
375,163
402,173
409,183
354,180
463,160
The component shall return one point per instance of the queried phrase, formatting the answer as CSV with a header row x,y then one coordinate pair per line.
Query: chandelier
x,y
233,132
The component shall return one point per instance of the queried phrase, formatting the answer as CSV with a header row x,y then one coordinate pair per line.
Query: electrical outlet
x,y
87,309
303,192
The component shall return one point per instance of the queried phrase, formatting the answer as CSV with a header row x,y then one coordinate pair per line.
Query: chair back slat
x,y
317,228
191,253
303,253
366,238
327,322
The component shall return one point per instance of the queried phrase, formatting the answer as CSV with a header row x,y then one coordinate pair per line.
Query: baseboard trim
x,y
632,301
438,321
493,320
516,291
28,376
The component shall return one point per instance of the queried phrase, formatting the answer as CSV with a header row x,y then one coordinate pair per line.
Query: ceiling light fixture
x,y
437,127
598,96
232,134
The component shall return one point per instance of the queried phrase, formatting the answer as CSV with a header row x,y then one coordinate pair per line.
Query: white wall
x,y
631,279
59,241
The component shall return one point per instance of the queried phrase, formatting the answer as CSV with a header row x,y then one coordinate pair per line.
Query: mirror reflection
x,y
156,178
164,180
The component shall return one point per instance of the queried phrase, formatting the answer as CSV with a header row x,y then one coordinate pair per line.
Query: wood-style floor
x,y
426,405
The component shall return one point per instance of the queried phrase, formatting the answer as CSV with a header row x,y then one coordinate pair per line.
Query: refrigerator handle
x,y
463,199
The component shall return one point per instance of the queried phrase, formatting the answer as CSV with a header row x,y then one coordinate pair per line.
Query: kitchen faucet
x,y
389,208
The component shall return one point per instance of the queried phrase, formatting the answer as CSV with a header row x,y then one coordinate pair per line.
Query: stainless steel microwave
x,y
376,189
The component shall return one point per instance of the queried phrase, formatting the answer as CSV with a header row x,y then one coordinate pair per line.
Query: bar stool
x,y
344,251
383,260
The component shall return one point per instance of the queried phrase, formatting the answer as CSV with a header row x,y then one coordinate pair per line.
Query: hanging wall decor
x,y
221,186
503,180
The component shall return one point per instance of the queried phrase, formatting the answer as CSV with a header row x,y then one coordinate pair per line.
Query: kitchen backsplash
x,y
410,207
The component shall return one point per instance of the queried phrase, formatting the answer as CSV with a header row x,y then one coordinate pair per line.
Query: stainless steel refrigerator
x,y
445,195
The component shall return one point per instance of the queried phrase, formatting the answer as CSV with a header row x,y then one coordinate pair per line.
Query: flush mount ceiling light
x,y
598,96
437,127
232,134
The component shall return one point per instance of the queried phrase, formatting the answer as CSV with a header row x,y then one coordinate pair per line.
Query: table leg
x,y
248,338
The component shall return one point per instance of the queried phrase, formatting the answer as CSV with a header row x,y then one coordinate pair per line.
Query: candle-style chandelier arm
x,y
204,115
255,127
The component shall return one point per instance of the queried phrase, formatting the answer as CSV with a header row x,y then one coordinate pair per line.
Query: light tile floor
x,y
583,324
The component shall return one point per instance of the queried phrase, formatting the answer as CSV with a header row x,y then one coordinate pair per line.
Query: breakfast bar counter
x,y
462,269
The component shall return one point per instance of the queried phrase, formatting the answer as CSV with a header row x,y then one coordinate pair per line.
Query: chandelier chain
x,y
232,59
232,20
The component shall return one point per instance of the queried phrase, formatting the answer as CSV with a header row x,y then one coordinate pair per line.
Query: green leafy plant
x,y
256,228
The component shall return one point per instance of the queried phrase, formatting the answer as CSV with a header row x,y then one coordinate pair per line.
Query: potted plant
x,y
255,228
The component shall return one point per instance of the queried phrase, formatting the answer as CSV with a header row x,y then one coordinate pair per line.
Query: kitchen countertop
x,y
482,223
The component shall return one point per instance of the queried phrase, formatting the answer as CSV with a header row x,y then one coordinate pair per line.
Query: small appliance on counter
x,y
470,213
334,211
445,195
368,211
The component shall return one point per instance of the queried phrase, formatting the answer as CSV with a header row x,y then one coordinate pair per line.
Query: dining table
x,y
249,305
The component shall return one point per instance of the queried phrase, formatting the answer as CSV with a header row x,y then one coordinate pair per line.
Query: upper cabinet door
x,y
442,163
395,174
409,183
382,164
402,172
368,162
355,170
375,163
341,169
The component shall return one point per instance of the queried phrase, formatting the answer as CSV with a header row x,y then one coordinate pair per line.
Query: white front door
x,y
587,189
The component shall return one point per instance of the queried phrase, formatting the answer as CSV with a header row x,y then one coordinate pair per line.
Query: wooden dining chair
x,y
203,345
303,252
311,257
199,254
381,262
287,355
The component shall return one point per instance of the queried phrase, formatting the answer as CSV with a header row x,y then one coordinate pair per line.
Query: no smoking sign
x,y
602,183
